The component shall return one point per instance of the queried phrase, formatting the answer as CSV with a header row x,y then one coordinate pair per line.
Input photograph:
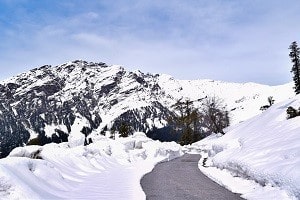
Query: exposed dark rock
x,y
56,96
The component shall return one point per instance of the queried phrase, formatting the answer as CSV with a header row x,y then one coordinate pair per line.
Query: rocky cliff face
x,y
47,101
52,102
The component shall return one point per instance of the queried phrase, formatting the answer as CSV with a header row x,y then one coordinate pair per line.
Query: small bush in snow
x,y
36,154
292,112
270,101
265,107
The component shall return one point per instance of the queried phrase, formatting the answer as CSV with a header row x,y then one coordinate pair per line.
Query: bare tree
x,y
271,100
215,116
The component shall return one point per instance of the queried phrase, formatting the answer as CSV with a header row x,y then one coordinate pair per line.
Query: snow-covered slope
x,y
243,100
265,149
107,169
89,98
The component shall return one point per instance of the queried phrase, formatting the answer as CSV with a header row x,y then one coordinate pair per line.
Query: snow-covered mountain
x,y
88,98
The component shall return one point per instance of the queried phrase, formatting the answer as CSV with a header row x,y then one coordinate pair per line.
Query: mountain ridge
x,y
53,101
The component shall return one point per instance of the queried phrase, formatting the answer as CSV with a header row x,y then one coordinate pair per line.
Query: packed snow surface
x,y
105,169
265,150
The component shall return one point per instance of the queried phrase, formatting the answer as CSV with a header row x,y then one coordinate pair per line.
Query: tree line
x,y
190,122
194,123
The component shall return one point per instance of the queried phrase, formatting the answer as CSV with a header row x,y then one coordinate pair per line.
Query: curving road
x,y
181,179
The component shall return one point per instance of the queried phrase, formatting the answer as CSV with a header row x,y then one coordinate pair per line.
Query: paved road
x,y
181,179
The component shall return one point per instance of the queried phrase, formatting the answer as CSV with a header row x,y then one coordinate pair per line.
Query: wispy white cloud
x,y
227,40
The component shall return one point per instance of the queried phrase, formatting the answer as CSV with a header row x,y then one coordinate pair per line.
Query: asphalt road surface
x,y
181,179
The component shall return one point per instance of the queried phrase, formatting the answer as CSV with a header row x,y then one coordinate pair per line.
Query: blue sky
x,y
230,40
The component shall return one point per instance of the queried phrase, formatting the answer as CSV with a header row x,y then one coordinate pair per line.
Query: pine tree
x,y
186,121
294,55
124,129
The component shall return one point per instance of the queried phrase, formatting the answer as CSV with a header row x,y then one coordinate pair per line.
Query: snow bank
x,y
105,169
264,149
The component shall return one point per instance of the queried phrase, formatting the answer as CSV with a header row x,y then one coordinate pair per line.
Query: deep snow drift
x,y
105,169
264,149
